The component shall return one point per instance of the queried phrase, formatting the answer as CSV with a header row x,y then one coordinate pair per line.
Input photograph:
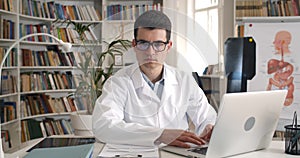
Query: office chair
x,y
205,83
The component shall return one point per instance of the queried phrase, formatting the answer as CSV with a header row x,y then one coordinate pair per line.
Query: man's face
x,y
151,58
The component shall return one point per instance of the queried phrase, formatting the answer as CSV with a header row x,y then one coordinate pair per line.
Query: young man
x,y
149,102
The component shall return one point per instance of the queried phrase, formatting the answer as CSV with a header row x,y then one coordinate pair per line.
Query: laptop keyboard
x,y
202,150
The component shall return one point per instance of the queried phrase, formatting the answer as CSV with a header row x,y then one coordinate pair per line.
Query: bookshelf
x,y
42,78
257,8
34,107
261,11
119,16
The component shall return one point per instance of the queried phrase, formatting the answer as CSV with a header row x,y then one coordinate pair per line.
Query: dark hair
x,y
153,19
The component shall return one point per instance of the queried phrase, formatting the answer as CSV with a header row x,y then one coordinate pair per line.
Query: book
x,y
25,82
47,13
56,81
295,6
61,83
65,81
66,104
5,83
51,79
10,107
5,5
46,103
6,141
48,127
64,126
33,110
34,129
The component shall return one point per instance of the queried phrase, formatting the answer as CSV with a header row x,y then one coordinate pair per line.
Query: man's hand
x,y
180,138
206,134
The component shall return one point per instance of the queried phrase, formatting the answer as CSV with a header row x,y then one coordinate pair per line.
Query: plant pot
x,y
82,124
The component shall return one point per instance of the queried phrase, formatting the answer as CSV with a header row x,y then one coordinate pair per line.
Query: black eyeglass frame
x,y
151,44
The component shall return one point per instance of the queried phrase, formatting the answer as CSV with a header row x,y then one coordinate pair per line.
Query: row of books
x,y
72,36
54,10
8,83
7,29
282,8
54,58
12,58
26,29
45,80
65,34
128,12
252,8
7,110
32,129
7,5
47,58
5,137
39,104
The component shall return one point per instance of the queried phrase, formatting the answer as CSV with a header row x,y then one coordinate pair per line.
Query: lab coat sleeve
x,y
108,118
200,111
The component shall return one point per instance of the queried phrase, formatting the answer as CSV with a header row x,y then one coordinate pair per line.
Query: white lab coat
x,y
129,111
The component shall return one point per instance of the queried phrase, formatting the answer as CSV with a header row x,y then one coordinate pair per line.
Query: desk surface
x,y
276,150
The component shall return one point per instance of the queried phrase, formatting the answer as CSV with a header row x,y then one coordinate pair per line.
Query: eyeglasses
x,y
158,46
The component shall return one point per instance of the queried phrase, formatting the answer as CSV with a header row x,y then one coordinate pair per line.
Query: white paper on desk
x,y
111,150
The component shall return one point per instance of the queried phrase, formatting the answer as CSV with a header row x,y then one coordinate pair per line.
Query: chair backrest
x,y
197,78
210,86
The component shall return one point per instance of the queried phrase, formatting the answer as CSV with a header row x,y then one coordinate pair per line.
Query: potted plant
x,y
96,68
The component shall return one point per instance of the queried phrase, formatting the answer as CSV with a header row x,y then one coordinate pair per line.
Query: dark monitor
x,y
240,62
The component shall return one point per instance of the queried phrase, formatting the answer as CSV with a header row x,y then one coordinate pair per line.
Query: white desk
x,y
276,150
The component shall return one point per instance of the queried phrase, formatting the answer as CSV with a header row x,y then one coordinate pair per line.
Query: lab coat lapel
x,y
170,85
142,86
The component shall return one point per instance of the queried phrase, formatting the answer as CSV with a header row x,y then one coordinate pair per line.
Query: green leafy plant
x,y
95,70
98,63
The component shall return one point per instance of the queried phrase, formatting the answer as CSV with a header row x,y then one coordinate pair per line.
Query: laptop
x,y
246,122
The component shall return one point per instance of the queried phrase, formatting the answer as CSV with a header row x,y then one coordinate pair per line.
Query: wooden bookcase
x,y
30,116
34,107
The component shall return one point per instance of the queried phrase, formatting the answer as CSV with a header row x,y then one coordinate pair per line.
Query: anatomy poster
x,y
277,61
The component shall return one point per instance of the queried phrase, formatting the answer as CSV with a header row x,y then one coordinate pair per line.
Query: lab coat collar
x,y
136,76
169,77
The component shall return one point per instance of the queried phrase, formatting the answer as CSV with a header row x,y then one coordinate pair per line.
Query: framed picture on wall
x,y
118,59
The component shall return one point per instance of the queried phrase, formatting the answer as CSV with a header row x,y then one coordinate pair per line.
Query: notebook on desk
x,y
246,122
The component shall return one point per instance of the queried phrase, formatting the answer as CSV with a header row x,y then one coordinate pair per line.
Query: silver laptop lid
x,y
246,122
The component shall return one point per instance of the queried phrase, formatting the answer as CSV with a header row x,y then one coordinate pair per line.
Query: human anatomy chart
x,y
277,61
282,69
